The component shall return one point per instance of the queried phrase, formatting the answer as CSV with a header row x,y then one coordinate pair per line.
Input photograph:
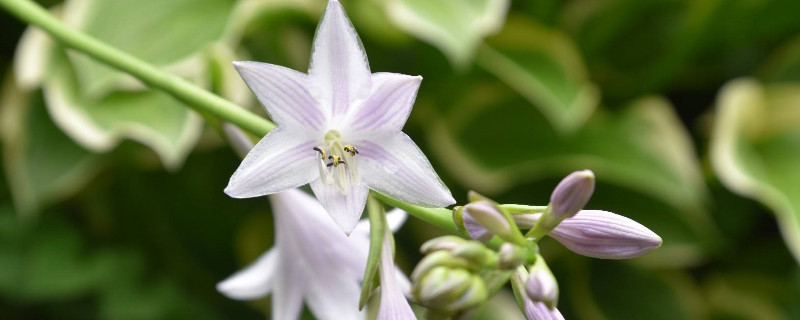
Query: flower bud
x,y
446,243
483,220
541,285
540,311
510,256
450,289
438,259
475,253
571,194
600,234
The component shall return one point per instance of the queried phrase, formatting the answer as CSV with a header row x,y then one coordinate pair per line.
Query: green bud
x,y
450,290
441,286
475,253
447,243
510,256
438,259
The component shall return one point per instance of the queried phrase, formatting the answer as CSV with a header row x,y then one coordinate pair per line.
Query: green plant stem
x,y
523,209
440,217
181,89
192,95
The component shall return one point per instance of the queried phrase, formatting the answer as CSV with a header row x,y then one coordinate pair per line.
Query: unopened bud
x,y
446,243
541,285
510,256
600,234
450,289
605,235
438,259
475,253
571,194
483,220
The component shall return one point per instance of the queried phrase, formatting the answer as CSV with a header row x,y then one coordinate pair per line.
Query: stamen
x,y
324,173
342,164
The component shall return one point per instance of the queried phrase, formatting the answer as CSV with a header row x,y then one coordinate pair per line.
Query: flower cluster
x,y
339,130
592,233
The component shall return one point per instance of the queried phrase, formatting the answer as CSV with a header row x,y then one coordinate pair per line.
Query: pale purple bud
x,y
541,285
483,220
571,194
540,311
600,234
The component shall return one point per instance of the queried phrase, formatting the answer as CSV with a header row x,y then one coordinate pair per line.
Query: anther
x,y
351,150
321,153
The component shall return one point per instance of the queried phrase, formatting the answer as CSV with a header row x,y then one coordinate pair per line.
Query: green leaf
x,y
43,260
168,34
621,291
377,233
43,165
455,27
755,148
150,117
544,67
643,149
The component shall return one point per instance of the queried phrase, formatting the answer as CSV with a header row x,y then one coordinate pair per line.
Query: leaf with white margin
x,y
643,149
171,34
42,164
755,148
456,27
545,67
150,117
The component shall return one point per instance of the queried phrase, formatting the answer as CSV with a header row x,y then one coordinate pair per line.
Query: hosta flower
x,y
338,129
312,260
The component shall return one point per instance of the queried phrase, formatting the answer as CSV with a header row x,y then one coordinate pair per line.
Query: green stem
x,y
523,209
440,217
181,89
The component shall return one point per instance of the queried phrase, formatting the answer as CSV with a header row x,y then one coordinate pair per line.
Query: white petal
x,y
306,233
394,305
393,165
253,282
388,105
287,297
332,296
284,93
539,311
395,218
339,69
345,210
281,160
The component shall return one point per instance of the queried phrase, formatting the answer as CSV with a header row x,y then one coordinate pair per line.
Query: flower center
x,y
337,162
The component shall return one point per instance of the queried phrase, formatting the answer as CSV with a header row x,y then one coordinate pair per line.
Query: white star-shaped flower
x,y
339,129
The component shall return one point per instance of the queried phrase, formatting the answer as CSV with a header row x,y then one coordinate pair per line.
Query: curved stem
x,y
179,88
440,217
192,95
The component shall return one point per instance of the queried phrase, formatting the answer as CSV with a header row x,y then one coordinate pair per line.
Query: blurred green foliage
x,y
111,202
